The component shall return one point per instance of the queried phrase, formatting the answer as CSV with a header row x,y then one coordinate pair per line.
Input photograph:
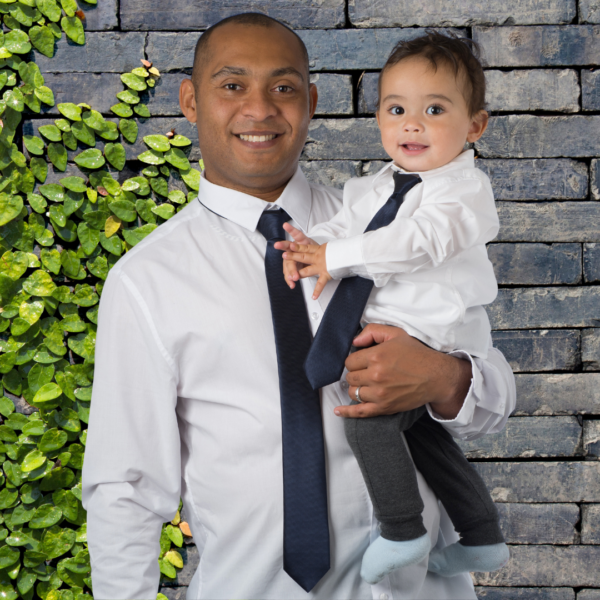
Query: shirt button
x,y
383,597
315,316
344,385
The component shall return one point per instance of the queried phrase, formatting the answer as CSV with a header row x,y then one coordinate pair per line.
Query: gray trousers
x,y
392,482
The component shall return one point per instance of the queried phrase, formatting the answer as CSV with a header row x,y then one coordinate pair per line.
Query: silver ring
x,y
357,395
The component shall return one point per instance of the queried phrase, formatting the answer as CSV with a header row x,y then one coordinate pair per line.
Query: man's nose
x,y
258,105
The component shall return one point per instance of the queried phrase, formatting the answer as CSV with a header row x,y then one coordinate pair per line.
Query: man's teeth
x,y
258,138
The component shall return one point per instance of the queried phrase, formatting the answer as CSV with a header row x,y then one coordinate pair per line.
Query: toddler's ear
x,y
479,123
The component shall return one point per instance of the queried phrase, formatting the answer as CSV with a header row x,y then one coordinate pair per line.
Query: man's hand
x,y
400,373
307,255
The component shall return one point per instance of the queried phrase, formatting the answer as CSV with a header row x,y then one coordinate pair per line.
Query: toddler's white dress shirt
x,y
430,266
186,403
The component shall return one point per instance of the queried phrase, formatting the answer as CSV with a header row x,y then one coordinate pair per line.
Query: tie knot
x,y
403,181
271,223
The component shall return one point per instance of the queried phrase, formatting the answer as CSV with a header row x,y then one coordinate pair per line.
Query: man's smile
x,y
257,138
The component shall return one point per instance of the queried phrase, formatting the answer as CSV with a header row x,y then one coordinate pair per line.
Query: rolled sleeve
x,y
490,400
345,258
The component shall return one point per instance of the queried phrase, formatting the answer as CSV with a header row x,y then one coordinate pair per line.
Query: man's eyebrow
x,y
287,71
230,71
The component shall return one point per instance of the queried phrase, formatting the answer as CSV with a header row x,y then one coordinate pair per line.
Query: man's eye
x,y
435,110
232,86
284,89
397,110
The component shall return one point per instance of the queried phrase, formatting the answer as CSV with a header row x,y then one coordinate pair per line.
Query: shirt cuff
x,y
465,415
344,257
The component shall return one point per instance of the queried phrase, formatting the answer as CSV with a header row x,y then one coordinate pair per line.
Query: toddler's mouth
x,y
411,147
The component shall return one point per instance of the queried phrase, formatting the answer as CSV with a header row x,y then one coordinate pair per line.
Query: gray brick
x,y
536,179
589,12
529,136
354,139
367,94
549,46
590,526
191,560
588,595
536,264
373,166
590,90
512,593
595,179
112,52
428,13
101,16
591,440
547,566
540,350
542,482
539,89
186,15
146,127
539,523
591,262
558,394
590,349
335,93
333,173
532,308
172,51
549,222
528,437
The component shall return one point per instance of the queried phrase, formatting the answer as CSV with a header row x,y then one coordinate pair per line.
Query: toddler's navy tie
x,y
305,522
327,355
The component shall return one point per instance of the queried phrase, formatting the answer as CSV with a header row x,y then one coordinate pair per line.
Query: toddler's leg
x,y
465,497
392,484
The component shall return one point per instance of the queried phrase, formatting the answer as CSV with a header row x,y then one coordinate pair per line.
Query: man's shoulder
x,y
325,200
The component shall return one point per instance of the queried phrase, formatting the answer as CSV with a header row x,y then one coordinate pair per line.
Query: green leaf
x,y
31,311
23,14
134,236
177,196
8,556
53,191
85,295
6,405
51,132
45,94
70,110
129,185
32,461
144,208
70,7
43,40
142,111
90,159
73,27
10,208
33,559
45,516
89,238
96,219
152,157
191,178
115,154
34,144
99,266
8,497
69,140
63,125
165,211
144,188
46,393
150,171
160,186
68,233
39,168
83,133
124,209
112,186
166,568
66,501
122,110
14,99
94,120
39,376
50,9
53,439
57,154
180,140
128,96
39,283
129,130
177,158
14,264
133,82
110,131
17,42
57,541
112,244
75,184
157,142
175,535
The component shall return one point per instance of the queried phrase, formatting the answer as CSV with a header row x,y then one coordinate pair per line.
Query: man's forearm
x,y
452,387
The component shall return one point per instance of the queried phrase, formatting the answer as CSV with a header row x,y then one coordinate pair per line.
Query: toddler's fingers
x,y
298,235
309,271
283,245
301,257
321,283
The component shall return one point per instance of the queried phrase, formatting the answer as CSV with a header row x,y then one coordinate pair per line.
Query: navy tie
x,y
325,361
305,522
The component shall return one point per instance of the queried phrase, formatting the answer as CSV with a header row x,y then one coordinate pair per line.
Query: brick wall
x,y
540,152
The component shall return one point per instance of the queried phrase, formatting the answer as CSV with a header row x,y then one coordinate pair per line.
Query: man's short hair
x,y
249,18
460,54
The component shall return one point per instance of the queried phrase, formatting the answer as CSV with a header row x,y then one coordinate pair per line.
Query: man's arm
x,y
470,397
131,471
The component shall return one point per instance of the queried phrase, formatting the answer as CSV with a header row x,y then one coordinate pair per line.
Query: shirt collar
x,y
245,210
464,160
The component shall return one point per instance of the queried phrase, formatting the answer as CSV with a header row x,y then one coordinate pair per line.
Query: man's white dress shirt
x,y
186,403
430,266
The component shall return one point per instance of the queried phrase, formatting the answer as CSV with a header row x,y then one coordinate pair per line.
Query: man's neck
x,y
266,193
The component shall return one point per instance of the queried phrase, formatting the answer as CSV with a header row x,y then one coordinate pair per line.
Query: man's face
x,y
252,107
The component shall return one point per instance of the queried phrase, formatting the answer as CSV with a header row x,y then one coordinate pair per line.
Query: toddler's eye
x,y
435,110
397,110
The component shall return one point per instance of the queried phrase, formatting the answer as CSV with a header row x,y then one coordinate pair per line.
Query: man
x,y
189,392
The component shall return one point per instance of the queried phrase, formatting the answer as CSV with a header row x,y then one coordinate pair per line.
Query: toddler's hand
x,y
290,267
312,256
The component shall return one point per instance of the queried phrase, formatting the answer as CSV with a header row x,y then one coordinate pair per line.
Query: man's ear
x,y
313,96
478,126
187,100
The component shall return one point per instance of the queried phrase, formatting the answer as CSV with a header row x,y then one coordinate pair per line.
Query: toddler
x,y
417,229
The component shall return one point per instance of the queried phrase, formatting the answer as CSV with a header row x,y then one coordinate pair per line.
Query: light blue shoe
x,y
384,556
457,558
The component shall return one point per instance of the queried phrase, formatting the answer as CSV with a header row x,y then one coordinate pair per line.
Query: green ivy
x,y
58,242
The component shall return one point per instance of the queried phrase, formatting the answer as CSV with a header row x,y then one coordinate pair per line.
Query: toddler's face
x,y
423,115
